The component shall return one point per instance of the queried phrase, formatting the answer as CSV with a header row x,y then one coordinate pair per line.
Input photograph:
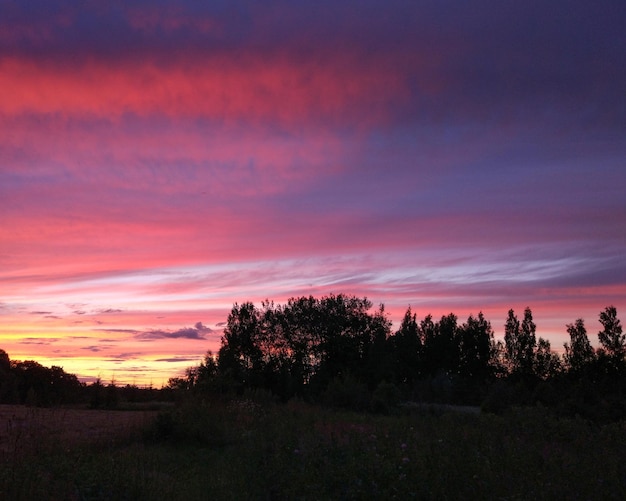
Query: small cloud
x,y
44,341
110,310
41,313
177,359
79,312
198,331
123,357
187,333
76,306
94,349
127,356
55,317
203,328
124,331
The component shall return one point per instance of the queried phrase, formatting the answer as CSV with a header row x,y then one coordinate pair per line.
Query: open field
x,y
25,429
247,450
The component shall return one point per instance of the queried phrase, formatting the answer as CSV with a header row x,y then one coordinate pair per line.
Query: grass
x,y
245,450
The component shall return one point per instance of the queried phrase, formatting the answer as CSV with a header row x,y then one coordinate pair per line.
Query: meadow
x,y
253,448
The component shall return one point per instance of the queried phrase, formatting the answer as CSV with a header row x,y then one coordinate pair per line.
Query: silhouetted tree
x,y
520,343
431,359
208,369
96,394
240,356
5,362
111,395
476,348
612,339
39,385
306,343
300,325
547,363
378,363
345,337
511,343
63,387
9,393
287,346
406,347
441,345
579,354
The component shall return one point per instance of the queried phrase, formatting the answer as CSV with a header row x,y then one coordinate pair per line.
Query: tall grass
x,y
247,450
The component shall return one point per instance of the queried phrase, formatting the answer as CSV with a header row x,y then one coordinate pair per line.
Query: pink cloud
x,y
233,87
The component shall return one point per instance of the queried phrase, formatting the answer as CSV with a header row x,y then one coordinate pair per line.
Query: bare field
x,y
25,429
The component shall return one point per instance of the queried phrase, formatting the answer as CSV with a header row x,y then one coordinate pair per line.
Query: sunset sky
x,y
160,161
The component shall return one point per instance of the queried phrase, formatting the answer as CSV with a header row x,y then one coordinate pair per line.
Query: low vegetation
x,y
252,448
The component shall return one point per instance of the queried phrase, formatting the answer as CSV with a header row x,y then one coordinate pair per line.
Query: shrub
x,y
386,397
347,393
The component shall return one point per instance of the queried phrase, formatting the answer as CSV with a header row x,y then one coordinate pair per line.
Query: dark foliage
x,y
31,383
335,351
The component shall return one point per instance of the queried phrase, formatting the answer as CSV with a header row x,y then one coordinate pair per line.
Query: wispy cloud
x,y
43,341
122,331
94,349
190,360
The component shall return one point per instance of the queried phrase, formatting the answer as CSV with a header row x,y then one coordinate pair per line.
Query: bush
x,y
346,393
386,397
163,427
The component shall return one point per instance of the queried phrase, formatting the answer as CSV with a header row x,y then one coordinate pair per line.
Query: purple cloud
x,y
199,331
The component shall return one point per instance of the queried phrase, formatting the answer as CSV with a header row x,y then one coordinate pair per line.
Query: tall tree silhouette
x,y
441,345
579,354
612,339
240,356
520,343
345,336
547,363
406,346
477,348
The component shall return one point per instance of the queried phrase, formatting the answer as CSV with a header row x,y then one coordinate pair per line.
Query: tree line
x,y
335,349
30,383
338,350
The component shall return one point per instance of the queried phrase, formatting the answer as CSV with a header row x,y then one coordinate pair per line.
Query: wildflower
x,y
405,460
403,446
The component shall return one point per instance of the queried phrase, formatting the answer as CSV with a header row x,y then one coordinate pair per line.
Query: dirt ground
x,y
30,428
